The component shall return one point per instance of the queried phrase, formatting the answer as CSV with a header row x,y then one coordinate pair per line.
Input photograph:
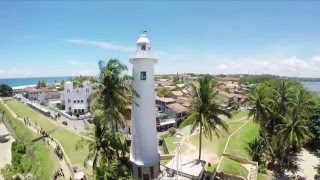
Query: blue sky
x,y
68,38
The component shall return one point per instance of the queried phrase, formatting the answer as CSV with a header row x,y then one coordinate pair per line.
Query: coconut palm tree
x,y
256,148
205,111
114,92
259,110
98,140
294,132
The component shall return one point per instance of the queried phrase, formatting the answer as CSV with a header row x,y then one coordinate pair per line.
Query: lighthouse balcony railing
x,y
143,54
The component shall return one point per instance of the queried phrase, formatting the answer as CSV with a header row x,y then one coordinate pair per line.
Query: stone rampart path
x,y
62,163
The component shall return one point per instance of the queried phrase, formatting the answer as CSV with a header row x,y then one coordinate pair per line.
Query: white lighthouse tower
x,y
144,145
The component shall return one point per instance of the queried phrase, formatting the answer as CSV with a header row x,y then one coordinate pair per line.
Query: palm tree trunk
x,y
117,152
200,141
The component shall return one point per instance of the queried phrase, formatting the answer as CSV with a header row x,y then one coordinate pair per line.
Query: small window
x,y
78,101
143,75
69,100
82,110
82,101
139,172
143,47
74,101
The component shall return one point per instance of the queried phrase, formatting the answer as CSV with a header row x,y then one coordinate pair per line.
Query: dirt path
x,y
192,152
62,163
307,162
5,147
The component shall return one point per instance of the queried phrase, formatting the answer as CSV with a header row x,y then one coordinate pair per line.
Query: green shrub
x,y
172,131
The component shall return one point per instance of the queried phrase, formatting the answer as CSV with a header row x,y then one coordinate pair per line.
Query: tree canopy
x,y
5,90
288,115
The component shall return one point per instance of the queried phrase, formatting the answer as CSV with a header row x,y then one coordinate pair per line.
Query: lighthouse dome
x,y
143,39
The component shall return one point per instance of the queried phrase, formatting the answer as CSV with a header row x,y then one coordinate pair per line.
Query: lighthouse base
x,y
145,172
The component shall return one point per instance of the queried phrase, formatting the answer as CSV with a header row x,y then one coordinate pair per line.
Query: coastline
x,y
23,87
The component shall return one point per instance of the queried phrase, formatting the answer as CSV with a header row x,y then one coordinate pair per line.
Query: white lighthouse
x,y
144,145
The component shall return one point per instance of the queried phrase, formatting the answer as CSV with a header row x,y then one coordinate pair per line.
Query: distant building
x,y
232,79
32,93
76,99
188,78
176,94
162,102
48,94
177,111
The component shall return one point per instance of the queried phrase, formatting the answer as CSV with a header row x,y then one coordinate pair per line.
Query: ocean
x,y
15,82
312,86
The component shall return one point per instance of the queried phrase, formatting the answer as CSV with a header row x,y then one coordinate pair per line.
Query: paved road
x,y
5,148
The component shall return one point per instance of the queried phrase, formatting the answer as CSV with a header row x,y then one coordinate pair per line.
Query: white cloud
x,y
101,44
291,66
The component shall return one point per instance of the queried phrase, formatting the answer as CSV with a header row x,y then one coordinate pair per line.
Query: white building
x,y
144,145
76,99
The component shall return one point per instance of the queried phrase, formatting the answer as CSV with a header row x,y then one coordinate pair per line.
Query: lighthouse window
x,y
143,47
143,75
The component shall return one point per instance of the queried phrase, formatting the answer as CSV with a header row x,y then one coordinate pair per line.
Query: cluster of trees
x,y
78,80
41,84
5,90
254,79
108,149
163,92
288,115
61,87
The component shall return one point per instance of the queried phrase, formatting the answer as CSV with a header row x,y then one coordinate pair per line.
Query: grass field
x,y
170,142
217,144
231,167
66,137
239,141
237,144
45,161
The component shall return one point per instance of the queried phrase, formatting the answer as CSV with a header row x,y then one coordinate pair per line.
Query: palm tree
x,y
304,103
259,111
294,132
256,149
205,111
114,92
106,170
113,97
98,140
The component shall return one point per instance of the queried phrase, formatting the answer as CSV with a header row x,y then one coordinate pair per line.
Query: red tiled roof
x,y
228,79
178,108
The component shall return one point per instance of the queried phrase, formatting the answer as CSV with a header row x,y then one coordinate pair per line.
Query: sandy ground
x,y
307,163
192,152
5,148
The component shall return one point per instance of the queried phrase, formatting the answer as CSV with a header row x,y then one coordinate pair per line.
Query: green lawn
x,y
239,141
170,142
231,167
217,144
262,176
66,137
45,162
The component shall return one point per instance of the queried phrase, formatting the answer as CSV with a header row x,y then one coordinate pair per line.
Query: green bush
x,y
172,131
